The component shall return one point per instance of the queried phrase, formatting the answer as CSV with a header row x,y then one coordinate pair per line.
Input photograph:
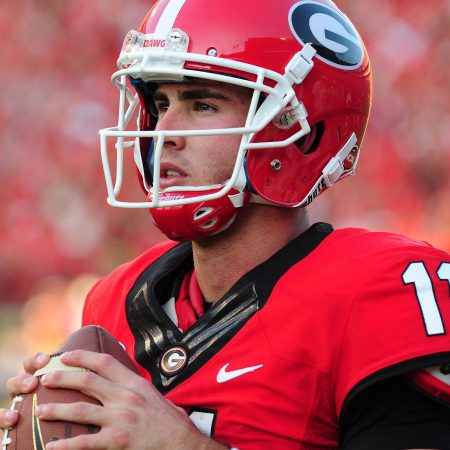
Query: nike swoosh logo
x,y
224,376
38,442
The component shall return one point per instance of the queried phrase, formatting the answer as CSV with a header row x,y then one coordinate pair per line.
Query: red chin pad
x,y
196,221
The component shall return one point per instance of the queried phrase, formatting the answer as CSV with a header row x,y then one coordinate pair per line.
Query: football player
x,y
252,328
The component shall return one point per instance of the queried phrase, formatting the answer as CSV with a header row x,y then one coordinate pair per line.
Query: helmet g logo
x,y
329,31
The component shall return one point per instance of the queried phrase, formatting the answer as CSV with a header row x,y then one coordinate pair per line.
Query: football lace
x,y
6,439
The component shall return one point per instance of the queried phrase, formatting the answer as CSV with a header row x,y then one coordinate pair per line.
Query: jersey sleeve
x,y
398,321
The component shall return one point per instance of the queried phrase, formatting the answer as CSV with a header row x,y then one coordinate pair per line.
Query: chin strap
x,y
333,170
335,166
300,64
240,185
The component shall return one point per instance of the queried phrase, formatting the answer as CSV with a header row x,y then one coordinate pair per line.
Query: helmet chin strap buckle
x,y
300,64
237,200
335,166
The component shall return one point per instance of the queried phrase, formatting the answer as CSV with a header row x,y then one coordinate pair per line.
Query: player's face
x,y
199,160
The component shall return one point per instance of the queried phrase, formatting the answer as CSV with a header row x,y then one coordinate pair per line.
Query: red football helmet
x,y
311,81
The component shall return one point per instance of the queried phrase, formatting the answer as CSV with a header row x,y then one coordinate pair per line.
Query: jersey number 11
x,y
416,273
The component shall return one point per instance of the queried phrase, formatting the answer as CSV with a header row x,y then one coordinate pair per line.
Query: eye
x,y
204,107
160,108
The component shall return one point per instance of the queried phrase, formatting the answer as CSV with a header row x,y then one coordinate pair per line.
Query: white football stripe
x,y
56,364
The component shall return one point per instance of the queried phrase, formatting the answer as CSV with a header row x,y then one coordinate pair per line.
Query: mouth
x,y
171,175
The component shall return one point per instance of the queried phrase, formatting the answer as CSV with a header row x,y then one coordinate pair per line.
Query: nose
x,y
172,120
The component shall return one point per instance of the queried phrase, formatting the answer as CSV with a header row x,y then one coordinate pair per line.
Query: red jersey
x,y
274,363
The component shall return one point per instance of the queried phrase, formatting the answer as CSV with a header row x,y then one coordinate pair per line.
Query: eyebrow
x,y
193,94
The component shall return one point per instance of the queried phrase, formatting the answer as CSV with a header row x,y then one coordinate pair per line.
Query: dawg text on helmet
x,y
154,43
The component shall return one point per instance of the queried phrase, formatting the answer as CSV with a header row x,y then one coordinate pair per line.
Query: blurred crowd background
x,y
58,235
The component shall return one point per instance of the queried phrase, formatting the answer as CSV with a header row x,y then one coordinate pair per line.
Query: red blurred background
x,y
57,233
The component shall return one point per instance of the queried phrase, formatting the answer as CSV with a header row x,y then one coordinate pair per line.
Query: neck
x,y
257,233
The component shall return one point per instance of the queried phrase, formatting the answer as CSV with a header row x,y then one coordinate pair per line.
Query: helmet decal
x,y
168,11
329,31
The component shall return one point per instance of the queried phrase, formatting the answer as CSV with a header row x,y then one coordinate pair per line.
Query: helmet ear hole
x,y
202,212
210,224
310,143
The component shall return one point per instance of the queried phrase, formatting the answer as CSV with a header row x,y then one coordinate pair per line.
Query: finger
x,y
21,384
76,443
88,383
105,365
79,412
8,418
86,413
97,441
35,361
25,382
105,391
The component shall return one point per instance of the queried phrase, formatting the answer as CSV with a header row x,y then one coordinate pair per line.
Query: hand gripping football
x,y
32,434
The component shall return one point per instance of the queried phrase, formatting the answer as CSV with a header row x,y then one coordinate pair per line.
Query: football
x,y
30,433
